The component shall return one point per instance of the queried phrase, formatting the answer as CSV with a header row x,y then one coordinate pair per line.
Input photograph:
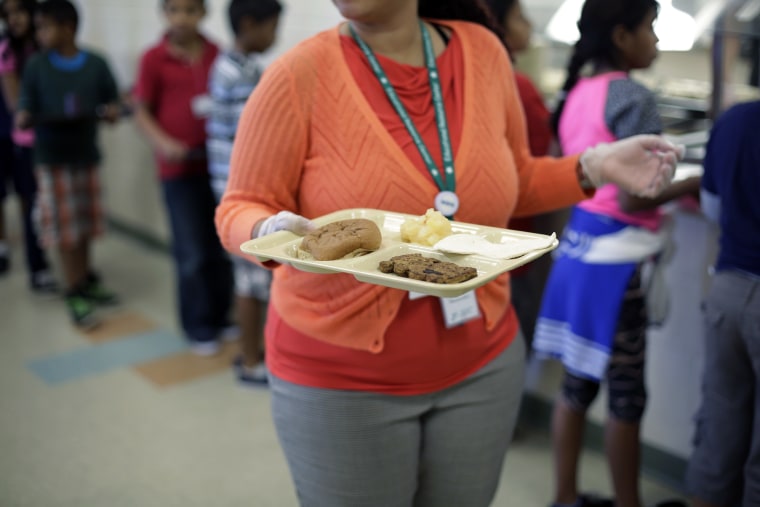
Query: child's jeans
x,y
204,275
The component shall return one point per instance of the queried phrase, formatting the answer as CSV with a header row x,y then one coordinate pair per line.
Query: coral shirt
x,y
310,141
417,334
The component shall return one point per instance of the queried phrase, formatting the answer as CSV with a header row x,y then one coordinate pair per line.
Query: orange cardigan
x,y
309,142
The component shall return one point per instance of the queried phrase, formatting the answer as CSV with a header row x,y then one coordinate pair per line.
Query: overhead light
x,y
675,29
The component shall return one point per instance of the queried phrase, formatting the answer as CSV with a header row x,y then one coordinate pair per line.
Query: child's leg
x,y
4,250
250,313
621,442
627,396
252,291
251,294
75,263
25,184
204,275
6,161
69,218
567,434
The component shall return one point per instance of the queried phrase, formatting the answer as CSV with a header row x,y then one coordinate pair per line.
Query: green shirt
x,y
68,90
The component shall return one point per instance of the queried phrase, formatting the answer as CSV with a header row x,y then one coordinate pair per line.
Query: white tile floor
x,y
114,439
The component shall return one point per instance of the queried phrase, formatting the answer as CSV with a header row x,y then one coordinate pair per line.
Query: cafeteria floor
x,y
126,416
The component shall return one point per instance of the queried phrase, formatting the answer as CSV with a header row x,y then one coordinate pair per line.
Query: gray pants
x,y
359,449
725,466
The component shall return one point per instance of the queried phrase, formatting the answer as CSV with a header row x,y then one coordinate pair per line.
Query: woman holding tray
x,y
381,399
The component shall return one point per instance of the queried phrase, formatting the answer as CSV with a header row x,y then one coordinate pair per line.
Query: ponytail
x,y
582,53
475,11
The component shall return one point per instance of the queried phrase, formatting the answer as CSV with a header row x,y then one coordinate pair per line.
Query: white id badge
x,y
461,309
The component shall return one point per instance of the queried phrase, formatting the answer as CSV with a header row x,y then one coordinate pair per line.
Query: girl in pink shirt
x,y
594,314
14,52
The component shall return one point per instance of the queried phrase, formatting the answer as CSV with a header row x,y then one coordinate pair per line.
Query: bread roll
x,y
341,239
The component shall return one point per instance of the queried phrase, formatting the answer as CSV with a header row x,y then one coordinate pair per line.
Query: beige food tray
x,y
283,245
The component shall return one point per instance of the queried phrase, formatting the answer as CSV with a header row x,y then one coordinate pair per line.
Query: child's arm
x,y
166,146
630,203
145,93
27,101
110,108
9,80
11,89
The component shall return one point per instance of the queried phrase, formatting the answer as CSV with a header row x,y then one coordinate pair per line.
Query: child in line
x,y
234,75
63,89
171,96
594,315
724,469
17,164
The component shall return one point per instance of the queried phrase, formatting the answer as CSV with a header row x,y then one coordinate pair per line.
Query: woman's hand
x,y
641,165
283,221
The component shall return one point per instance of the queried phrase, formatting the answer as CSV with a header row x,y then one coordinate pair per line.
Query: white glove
x,y
641,165
285,221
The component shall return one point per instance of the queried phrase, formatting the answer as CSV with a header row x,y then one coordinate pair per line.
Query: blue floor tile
x,y
100,358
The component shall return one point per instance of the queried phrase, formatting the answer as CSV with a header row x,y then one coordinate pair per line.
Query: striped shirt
x,y
233,77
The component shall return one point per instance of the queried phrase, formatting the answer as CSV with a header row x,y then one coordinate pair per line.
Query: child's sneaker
x,y
43,283
82,311
257,375
205,348
96,293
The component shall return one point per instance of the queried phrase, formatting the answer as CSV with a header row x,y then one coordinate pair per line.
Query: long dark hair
x,y
475,11
20,46
595,45
500,8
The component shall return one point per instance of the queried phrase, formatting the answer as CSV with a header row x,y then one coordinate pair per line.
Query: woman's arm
x,y
166,146
267,158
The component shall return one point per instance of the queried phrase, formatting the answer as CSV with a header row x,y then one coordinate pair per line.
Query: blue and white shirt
x,y
233,77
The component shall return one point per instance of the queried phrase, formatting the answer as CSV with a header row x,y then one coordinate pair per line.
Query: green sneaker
x,y
82,311
97,294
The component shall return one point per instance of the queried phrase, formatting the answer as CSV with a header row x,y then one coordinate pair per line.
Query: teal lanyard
x,y
438,104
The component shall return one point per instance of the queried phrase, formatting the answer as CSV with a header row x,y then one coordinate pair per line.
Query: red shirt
x,y
420,354
537,119
166,85
536,116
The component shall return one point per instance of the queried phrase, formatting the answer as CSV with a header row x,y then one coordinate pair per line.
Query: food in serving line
x,y
341,239
418,267
427,229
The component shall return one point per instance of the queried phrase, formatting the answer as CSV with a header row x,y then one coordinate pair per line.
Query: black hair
x,y
62,12
475,11
595,45
259,10
19,46
500,8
